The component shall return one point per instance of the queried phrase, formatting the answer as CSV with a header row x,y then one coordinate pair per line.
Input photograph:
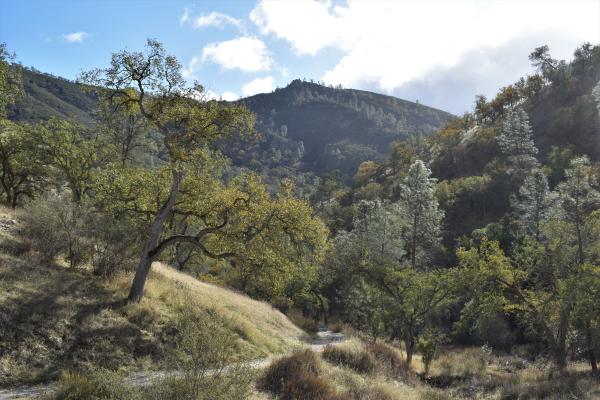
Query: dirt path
x,y
146,378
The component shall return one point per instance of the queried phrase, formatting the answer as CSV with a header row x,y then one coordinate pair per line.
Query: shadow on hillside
x,y
53,319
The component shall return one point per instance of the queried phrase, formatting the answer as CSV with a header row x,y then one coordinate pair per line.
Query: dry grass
x,y
262,329
53,318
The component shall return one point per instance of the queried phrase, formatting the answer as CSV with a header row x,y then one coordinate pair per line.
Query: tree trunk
x,y
141,273
413,247
410,345
561,340
580,255
591,353
323,308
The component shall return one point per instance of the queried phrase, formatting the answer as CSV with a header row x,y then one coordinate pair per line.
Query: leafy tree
x,y
22,171
542,299
11,88
416,298
152,81
420,210
73,152
366,172
124,127
587,311
378,231
516,142
533,203
267,241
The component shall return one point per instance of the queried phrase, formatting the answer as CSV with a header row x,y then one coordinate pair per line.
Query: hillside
x,y
54,318
328,128
304,127
50,96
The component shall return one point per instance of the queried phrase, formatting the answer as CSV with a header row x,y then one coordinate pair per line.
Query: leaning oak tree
x,y
152,81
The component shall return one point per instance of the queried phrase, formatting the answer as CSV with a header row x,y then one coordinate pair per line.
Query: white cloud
x,y
215,19
75,37
387,44
229,96
190,71
185,17
258,85
245,53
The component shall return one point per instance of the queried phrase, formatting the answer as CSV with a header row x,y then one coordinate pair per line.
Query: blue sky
x,y
442,53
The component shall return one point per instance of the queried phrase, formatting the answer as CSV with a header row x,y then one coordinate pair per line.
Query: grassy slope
x,y
53,318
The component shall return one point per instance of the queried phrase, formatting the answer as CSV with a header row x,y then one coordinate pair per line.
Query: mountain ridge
x,y
304,126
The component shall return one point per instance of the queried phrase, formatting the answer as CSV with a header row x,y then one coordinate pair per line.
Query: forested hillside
x,y
305,129
329,129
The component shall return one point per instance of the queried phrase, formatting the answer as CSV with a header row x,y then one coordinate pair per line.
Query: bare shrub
x,y
297,377
358,360
55,225
388,358
205,358
94,385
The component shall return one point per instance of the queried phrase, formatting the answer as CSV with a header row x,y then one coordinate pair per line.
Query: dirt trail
x,y
146,378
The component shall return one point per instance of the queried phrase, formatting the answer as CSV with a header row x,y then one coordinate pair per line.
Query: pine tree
x,y
516,142
596,93
420,208
577,198
533,202
378,230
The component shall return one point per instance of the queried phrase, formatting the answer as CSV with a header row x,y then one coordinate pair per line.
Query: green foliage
x,y
427,346
73,154
516,142
11,88
422,215
22,169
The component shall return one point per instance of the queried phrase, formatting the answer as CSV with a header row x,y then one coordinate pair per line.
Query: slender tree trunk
x,y
323,308
580,255
13,202
141,273
413,247
410,345
561,340
591,353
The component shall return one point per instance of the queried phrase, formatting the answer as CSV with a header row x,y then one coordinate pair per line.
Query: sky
x,y
441,53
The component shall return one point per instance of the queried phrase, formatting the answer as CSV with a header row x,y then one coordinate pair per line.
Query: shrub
x,y
114,243
427,347
388,358
205,356
360,361
54,225
297,377
94,385
540,386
